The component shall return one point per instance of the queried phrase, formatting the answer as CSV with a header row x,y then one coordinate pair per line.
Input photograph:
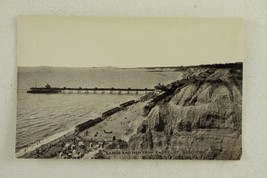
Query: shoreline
x,y
58,139
49,140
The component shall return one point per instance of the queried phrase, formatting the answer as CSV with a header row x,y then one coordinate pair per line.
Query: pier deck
x,y
43,90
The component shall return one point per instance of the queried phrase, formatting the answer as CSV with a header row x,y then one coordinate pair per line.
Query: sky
x,y
127,41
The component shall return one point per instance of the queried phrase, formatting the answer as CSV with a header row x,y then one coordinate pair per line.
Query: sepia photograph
x,y
129,88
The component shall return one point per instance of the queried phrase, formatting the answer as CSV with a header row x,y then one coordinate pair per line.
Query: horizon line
x,y
131,67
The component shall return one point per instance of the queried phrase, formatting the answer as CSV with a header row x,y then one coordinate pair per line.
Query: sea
x,y
43,116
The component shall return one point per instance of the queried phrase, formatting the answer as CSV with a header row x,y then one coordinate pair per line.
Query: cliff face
x,y
201,120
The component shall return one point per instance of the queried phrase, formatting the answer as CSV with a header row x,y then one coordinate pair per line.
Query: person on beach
x,y
73,147
74,152
60,154
63,154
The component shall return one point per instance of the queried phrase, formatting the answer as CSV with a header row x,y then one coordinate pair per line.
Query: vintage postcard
x,y
129,88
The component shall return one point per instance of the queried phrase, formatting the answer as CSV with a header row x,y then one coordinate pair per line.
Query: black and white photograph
x,y
129,88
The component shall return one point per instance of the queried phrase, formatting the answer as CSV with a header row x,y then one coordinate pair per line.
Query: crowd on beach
x,y
77,148
71,151
73,146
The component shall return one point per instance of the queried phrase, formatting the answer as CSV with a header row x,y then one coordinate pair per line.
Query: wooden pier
x,y
51,90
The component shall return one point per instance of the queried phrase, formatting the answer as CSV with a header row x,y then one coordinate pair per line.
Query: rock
x,y
202,118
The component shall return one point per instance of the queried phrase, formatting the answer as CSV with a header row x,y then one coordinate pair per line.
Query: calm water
x,y
42,115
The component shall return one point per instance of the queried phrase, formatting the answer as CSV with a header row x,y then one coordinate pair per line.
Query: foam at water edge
x,y
44,141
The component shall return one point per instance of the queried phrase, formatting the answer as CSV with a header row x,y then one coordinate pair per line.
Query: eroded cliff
x,y
200,119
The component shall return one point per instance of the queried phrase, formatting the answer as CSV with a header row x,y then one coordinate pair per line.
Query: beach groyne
x,y
128,103
111,111
85,125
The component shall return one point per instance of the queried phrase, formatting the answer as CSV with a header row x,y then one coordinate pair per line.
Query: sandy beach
x,y
119,126
122,125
